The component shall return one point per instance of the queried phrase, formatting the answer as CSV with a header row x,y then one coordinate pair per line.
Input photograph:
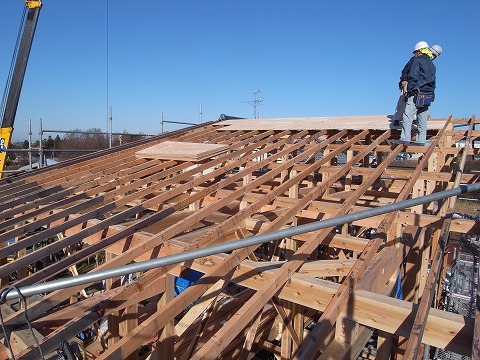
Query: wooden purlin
x,y
268,179
230,330
37,306
89,161
133,338
120,216
311,344
311,290
113,164
119,260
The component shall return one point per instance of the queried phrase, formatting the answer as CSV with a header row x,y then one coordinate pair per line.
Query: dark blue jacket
x,y
405,71
421,75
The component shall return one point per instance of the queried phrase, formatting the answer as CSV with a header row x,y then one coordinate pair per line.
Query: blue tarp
x,y
181,283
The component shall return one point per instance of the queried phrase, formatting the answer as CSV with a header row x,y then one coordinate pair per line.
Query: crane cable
x,y
12,65
107,64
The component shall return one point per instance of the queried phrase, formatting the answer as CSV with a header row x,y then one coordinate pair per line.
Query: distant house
x,y
36,165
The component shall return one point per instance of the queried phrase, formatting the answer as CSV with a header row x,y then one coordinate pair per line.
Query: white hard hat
x,y
420,45
436,50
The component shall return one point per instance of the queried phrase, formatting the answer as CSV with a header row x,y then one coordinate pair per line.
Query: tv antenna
x,y
255,102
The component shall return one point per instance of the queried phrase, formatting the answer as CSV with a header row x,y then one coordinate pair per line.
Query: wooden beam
x,y
286,321
445,330
310,346
250,338
67,332
245,314
150,198
376,278
404,218
201,305
158,239
415,339
158,320
166,339
234,256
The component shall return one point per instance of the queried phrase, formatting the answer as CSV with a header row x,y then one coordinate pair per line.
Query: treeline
x,y
70,145
91,139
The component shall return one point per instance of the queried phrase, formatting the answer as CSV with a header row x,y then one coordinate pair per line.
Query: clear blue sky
x,y
309,58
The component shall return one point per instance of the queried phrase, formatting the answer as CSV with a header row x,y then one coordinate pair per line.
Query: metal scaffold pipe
x,y
93,277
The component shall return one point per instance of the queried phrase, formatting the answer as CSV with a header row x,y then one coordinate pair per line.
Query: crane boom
x,y
33,11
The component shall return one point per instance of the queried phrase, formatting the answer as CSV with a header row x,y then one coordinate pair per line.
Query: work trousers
x,y
408,117
400,107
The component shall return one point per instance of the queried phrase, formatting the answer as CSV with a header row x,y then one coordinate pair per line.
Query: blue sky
x,y
309,58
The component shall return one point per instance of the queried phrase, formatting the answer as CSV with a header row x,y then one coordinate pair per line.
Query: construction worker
x,y
435,51
421,77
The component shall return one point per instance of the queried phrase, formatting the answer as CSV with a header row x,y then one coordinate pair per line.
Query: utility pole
x,y
255,102
161,121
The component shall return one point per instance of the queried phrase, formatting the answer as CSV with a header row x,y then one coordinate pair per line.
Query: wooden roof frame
x,y
309,296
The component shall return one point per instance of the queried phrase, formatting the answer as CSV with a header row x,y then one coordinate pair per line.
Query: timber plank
x,y
382,122
185,151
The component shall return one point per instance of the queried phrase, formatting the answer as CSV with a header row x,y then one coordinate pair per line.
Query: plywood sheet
x,y
185,151
380,122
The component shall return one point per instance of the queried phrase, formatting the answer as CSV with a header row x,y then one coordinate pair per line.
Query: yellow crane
x,y
14,85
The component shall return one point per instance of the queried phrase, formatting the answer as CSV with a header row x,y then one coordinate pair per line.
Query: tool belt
x,y
422,98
